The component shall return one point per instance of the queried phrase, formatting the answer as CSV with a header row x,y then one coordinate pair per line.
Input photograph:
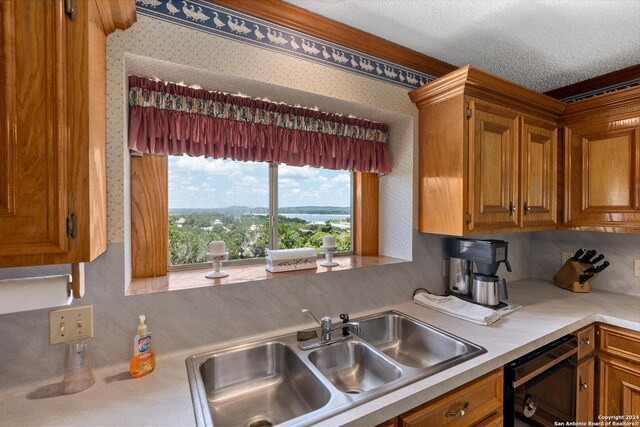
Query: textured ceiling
x,y
541,44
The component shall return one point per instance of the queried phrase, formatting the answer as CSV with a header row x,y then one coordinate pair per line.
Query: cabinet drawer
x,y
619,342
586,341
494,420
464,406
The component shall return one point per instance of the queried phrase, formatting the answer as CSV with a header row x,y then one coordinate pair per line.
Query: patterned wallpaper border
x,y
601,91
214,19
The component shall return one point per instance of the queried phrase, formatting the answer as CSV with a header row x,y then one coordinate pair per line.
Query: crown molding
x,y
605,83
299,19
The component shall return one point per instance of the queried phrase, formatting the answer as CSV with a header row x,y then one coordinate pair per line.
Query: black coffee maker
x,y
482,287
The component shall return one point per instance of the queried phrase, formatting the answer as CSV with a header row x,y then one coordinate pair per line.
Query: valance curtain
x,y
166,118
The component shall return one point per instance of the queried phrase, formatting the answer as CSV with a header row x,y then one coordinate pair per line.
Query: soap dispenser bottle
x,y
143,360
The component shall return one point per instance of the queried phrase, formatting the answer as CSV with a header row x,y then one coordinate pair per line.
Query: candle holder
x,y
217,264
328,252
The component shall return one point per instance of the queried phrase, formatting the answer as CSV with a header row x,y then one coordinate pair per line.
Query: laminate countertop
x,y
163,398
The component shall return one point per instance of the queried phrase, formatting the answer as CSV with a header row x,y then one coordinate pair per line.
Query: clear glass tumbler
x,y
78,366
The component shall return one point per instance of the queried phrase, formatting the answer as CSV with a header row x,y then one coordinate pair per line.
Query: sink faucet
x,y
326,328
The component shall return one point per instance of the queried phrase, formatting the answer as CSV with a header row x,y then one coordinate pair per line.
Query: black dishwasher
x,y
540,387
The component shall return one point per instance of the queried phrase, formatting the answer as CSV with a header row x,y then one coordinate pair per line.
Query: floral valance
x,y
166,118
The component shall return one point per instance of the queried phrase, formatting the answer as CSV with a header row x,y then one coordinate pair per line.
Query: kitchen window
x,y
253,207
172,124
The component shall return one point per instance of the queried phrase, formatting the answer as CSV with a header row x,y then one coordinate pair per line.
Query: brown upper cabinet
x,y
53,128
488,155
602,162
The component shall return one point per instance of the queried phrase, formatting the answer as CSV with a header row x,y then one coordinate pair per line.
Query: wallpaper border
x,y
210,18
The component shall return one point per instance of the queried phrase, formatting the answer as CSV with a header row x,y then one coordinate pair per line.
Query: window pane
x,y
215,199
312,203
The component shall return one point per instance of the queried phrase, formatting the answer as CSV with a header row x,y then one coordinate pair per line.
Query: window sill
x,y
190,279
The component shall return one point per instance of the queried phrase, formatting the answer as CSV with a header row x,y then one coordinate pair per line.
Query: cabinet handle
x,y
70,9
512,208
583,386
585,341
527,208
459,413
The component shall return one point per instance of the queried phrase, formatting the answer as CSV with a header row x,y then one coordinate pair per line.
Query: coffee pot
x,y
482,287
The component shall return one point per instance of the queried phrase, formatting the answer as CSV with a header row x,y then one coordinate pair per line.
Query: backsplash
x,y
620,250
215,314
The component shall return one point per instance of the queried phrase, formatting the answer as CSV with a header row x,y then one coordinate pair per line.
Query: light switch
x,y
70,324
636,268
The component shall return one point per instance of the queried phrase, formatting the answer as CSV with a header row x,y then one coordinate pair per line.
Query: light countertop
x,y
163,398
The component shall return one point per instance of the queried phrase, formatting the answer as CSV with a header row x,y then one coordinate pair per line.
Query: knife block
x,y
568,277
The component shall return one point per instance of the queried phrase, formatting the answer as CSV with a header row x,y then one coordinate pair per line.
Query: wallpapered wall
x,y
234,66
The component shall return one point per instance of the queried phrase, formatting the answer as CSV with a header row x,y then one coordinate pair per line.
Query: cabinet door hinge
x,y
468,217
72,225
468,113
70,9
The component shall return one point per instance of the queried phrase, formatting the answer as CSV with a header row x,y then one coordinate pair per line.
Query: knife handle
x,y
602,266
587,257
597,259
579,253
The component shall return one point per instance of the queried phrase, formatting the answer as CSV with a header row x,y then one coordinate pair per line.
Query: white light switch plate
x,y
69,324
566,256
636,268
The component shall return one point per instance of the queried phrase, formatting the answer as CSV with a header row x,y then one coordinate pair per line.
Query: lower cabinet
x,y
618,372
478,403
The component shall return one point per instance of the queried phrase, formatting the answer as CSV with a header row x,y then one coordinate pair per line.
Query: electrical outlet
x,y
70,324
566,256
636,268
445,268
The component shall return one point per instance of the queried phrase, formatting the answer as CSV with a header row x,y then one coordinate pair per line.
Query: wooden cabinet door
x,y
539,158
602,174
619,387
493,166
585,385
33,131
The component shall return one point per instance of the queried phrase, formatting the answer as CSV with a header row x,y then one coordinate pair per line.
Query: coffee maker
x,y
483,286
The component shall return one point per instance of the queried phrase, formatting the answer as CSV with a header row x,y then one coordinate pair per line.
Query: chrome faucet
x,y
326,328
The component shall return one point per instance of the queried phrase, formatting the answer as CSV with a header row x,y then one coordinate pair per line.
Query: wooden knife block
x,y
568,277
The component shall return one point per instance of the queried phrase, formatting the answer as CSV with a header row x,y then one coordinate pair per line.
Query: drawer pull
x,y
585,341
459,413
583,386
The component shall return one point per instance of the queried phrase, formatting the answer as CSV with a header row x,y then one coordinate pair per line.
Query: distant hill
x,y
244,210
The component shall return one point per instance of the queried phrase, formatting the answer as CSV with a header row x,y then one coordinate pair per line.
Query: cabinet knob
x,y
512,208
583,386
527,208
459,413
585,341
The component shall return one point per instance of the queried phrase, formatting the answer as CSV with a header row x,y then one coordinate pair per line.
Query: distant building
x,y
180,222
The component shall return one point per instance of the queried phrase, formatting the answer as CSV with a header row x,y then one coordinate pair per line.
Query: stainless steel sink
x,y
259,386
273,381
410,342
353,367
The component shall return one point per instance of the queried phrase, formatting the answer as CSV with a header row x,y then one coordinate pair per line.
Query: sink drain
x,y
354,391
259,422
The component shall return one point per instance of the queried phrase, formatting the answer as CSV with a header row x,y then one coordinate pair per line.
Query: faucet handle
x,y
345,319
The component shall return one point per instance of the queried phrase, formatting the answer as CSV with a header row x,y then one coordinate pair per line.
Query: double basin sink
x,y
275,382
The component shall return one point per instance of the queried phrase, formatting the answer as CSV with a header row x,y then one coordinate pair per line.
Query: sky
x,y
198,182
